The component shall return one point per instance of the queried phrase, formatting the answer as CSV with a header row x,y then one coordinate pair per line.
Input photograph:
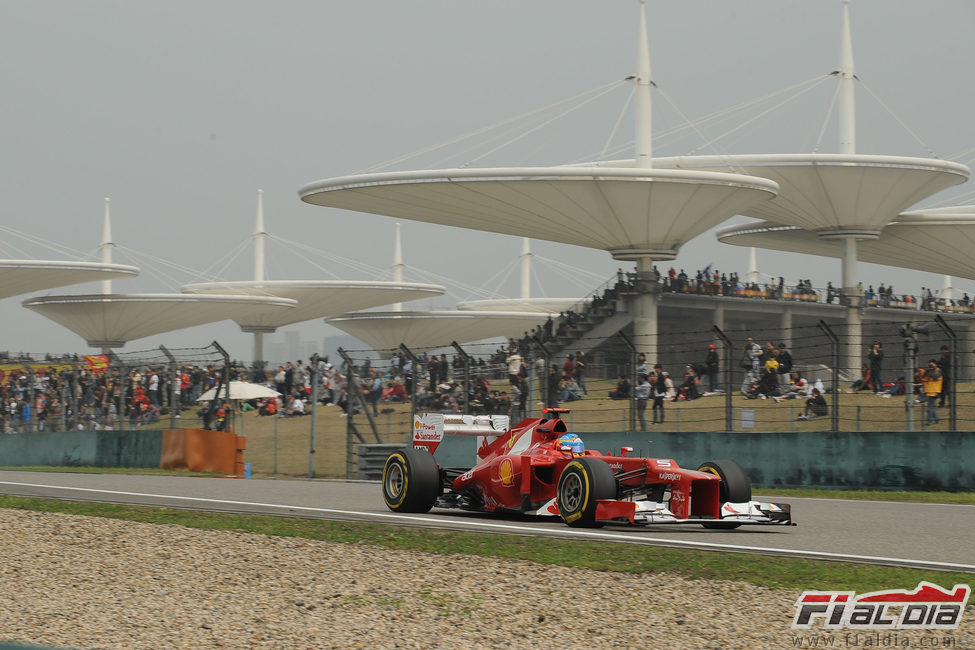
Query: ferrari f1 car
x,y
539,468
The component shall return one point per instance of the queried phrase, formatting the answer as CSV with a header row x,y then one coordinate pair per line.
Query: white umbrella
x,y
239,390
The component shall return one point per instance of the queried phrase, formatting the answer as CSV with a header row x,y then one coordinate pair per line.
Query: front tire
x,y
735,486
582,483
411,480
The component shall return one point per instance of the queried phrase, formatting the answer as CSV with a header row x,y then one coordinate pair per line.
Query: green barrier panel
x,y
82,448
56,449
129,448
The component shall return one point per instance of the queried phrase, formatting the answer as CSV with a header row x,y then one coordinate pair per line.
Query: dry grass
x,y
291,436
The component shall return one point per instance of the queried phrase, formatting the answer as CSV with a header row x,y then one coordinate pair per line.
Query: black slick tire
x,y
411,480
582,483
735,486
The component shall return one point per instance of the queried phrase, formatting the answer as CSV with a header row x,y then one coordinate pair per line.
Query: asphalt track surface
x,y
931,536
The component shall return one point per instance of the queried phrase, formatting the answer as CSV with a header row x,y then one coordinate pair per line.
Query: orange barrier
x,y
199,450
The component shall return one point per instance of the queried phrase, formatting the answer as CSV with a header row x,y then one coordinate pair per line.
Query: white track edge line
x,y
520,528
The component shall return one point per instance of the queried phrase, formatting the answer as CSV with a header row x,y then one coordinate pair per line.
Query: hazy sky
x,y
180,111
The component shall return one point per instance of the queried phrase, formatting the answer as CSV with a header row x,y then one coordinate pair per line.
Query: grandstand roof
x,y
385,331
111,320
543,305
315,298
835,193
18,277
937,240
632,213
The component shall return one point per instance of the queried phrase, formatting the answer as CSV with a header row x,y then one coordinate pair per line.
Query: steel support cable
x,y
829,111
970,151
355,265
504,273
901,122
717,117
155,270
537,127
138,256
567,267
300,254
707,142
762,114
38,241
954,199
619,121
729,112
225,260
453,282
419,152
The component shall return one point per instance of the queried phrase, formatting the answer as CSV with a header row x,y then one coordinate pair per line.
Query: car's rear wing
x,y
429,429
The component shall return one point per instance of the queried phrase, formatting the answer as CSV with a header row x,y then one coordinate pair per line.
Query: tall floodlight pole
x,y
644,130
645,318
847,130
106,251
847,103
752,275
107,244
260,236
398,265
526,268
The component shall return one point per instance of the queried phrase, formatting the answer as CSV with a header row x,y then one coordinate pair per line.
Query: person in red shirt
x,y
221,417
394,392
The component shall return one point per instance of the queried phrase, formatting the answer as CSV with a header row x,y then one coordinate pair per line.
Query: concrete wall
x,y
932,460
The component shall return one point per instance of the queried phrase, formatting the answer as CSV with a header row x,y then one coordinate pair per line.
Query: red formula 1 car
x,y
539,468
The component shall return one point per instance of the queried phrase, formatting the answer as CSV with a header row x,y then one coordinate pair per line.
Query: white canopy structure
x,y
385,331
525,302
937,240
314,298
638,213
18,277
632,213
835,196
846,196
537,305
111,320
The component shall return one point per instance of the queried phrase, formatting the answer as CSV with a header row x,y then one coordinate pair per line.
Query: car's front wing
x,y
749,512
644,513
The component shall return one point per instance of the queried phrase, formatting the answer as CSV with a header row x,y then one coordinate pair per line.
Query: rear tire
x,y
582,483
411,480
735,486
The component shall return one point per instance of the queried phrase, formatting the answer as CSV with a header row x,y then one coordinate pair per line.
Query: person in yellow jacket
x,y
932,379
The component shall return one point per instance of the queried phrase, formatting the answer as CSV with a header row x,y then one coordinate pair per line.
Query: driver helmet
x,y
572,443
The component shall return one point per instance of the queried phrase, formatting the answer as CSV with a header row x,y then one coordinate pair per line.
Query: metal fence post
x,y
467,374
172,387
414,372
835,343
315,377
952,393
729,422
31,405
633,377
